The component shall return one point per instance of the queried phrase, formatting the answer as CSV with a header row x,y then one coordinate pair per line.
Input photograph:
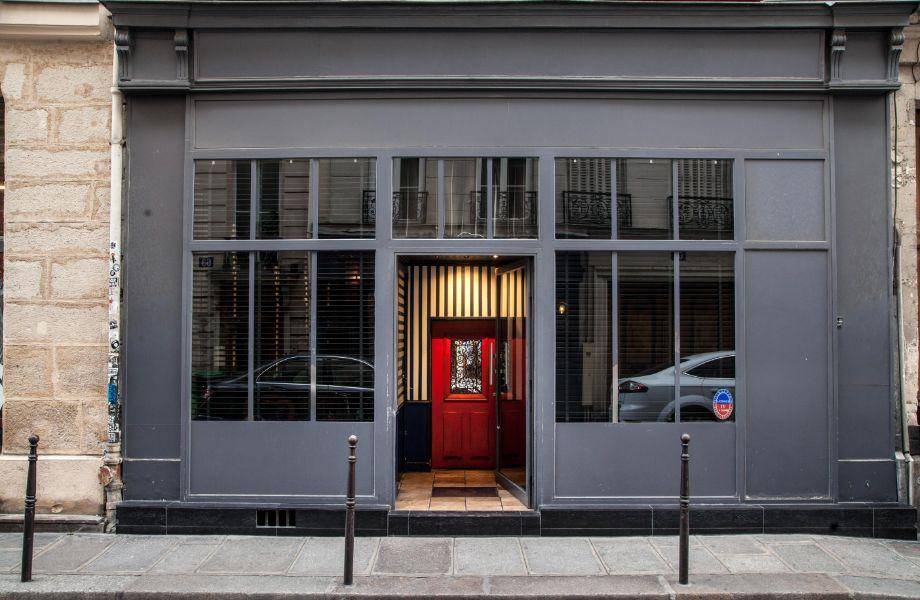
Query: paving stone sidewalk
x,y
740,566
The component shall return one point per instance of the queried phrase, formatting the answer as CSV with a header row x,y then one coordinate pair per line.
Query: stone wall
x,y
904,160
57,99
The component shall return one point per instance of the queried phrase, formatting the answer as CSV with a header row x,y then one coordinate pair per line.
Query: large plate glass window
x,y
651,194
473,198
635,368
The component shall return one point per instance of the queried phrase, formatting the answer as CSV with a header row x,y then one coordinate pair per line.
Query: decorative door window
x,y
466,366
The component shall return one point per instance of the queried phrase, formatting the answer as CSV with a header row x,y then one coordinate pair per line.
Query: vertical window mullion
x,y
442,200
314,198
675,269
614,340
314,298
675,205
253,198
614,199
250,344
490,182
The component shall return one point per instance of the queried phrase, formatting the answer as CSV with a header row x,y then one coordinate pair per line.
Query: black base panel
x,y
880,521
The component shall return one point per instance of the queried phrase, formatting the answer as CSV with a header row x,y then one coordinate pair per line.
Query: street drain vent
x,y
275,518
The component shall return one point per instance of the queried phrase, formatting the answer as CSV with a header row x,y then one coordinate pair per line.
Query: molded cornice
x,y
510,13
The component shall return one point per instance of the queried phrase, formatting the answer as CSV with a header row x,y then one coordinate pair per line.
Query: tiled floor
x,y
415,492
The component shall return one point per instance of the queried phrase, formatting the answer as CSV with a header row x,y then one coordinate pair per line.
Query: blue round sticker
x,y
723,404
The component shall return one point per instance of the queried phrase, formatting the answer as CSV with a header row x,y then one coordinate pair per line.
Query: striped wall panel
x,y
451,291
401,297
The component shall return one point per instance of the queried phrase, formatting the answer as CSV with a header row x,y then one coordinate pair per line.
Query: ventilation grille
x,y
275,518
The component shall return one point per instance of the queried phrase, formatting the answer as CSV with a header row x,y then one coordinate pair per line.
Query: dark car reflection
x,y
344,389
649,395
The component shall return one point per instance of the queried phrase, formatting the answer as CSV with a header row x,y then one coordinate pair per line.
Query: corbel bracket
x,y
895,46
123,49
180,38
838,45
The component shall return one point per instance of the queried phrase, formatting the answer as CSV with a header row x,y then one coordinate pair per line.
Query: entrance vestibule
x,y
463,383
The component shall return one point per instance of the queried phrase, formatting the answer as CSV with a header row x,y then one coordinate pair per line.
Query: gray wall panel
x,y
786,365
153,56
152,310
254,54
480,122
868,481
864,344
151,479
785,200
606,460
278,458
865,54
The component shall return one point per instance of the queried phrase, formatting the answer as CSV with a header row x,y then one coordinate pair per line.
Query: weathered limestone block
x,y
95,425
26,163
55,323
48,202
79,278
26,125
66,484
27,371
42,239
74,83
85,125
14,80
25,279
80,371
56,422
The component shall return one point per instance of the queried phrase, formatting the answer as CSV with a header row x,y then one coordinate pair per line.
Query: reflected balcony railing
x,y
593,209
410,207
705,213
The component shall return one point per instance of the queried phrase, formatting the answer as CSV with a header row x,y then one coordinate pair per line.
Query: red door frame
x,y
463,434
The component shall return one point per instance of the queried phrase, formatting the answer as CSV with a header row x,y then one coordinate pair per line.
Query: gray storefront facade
x,y
675,217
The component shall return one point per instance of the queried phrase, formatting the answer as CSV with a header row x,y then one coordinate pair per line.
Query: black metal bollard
x,y
348,577
28,521
684,558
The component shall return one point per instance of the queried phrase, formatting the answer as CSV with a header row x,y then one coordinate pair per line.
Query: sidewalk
x,y
741,566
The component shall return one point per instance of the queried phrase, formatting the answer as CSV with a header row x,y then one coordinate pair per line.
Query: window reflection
x,y
583,198
645,300
415,197
514,197
222,199
705,199
465,181
645,184
284,199
347,197
220,355
584,370
707,336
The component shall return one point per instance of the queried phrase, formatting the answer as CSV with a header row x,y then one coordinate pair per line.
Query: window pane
x,y
345,336
222,199
584,368
220,358
347,197
707,336
645,191
282,337
415,197
645,302
514,197
284,199
705,199
583,198
465,183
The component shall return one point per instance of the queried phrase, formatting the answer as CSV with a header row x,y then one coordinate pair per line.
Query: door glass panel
x,y
465,181
415,197
707,336
466,366
512,375
645,303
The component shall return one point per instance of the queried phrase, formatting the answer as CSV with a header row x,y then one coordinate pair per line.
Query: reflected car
x,y
649,395
344,386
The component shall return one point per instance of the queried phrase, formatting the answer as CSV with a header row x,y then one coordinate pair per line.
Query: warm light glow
x,y
561,308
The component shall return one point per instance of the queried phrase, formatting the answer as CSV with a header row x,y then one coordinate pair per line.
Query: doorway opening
x,y
463,383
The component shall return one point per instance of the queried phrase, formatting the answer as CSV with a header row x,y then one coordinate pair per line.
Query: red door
x,y
462,394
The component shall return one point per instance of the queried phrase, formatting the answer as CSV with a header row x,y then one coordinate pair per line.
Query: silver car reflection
x,y
649,396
